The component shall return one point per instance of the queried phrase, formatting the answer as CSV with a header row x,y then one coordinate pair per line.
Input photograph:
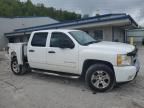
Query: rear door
x,y
37,50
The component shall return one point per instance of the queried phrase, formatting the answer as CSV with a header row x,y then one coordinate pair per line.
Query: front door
x,y
62,59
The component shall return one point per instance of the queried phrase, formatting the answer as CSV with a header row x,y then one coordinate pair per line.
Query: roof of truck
x,y
56,30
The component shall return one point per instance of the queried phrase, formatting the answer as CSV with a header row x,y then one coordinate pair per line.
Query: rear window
x,y
39,39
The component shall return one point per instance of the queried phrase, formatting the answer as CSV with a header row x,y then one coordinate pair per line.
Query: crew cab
x,y
75,53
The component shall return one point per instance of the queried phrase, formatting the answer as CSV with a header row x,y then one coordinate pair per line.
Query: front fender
x,y
97,56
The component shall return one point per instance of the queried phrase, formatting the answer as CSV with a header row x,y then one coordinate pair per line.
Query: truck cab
x,y
53,50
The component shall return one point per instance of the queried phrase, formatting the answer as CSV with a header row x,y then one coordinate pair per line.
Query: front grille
x,y
134,61
133,55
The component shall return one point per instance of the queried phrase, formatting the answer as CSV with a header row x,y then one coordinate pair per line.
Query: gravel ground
x,y
36,90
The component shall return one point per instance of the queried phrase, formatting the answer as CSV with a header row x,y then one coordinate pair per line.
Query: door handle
x,y
31,50
51,52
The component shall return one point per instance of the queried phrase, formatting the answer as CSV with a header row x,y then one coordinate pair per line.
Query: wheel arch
x,y
87,63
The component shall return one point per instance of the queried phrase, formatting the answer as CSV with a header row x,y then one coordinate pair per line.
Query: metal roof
x,y
26,17
90,20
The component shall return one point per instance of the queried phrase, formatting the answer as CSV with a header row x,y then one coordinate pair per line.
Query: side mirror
x,y
66,44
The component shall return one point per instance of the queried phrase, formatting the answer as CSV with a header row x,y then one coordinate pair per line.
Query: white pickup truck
x,y
74,53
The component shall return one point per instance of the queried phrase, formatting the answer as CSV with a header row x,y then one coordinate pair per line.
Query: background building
x,y
10,24
108,27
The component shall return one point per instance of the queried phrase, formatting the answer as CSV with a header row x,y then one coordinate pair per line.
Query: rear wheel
x,y
18,69
100,77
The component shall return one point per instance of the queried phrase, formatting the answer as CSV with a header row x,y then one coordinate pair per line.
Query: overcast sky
x,y
133,7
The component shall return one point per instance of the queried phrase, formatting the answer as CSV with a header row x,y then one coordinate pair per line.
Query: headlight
x,y
124,60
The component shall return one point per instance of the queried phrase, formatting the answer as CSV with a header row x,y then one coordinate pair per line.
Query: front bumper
x,y
126,73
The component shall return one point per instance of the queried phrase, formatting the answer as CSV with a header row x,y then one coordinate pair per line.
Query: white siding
x,y
107,32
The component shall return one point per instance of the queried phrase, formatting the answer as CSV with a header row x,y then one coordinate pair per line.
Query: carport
x,y
136,36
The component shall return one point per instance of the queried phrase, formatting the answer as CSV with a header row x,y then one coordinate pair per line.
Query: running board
x,y
55,73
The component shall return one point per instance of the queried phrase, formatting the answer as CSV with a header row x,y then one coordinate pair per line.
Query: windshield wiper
x,y
91,42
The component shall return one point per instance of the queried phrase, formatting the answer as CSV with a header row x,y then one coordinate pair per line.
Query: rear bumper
x,y
126,73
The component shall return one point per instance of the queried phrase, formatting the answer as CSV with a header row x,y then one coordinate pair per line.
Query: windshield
x,y
82,37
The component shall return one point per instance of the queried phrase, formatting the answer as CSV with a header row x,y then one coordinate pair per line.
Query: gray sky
x,y
133,7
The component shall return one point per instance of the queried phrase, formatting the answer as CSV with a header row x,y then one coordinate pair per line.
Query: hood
x,y
117,47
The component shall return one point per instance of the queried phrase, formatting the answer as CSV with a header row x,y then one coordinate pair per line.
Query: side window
x,y
57,38
39,39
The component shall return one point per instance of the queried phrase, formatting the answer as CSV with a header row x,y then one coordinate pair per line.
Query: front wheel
x,y
100,77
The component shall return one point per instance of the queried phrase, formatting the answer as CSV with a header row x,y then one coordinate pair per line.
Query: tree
x,y
12,8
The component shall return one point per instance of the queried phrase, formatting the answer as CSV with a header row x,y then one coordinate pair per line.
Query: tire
x,y
18,69
100,77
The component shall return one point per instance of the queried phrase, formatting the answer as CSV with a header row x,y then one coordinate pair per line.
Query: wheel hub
x,y
100,79
15,67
